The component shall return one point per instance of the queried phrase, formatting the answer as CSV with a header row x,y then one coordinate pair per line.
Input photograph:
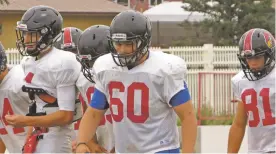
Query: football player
x,y
144,91
50,80
254,88
69,39
92,44
12,101
68,42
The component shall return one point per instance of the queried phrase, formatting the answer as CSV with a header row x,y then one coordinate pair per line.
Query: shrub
x,y
207,111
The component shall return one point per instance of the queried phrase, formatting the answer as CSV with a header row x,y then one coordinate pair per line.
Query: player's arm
x,y
176,92
91,119
237,129
59,118
65,81
66,102
2,146
94,141
183,107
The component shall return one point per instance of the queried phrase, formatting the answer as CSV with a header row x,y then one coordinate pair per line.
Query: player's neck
x,y
43,53
145,57
3,74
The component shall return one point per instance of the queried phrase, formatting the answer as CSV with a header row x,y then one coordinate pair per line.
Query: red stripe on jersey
x,y
247,44
29,77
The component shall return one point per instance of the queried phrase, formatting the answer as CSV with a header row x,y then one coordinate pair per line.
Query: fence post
x,y
171,50
208,94
208,57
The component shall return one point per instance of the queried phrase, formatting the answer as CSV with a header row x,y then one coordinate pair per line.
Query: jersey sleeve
x,y
98,82
81,87
99,100
66,78
176,90
23,60
235,89
85,88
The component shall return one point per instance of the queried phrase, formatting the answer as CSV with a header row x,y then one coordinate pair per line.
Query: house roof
x,y
66,6
173,11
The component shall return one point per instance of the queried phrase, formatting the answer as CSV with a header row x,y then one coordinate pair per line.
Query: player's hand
x,y
74,146
16,120
96,148
82,148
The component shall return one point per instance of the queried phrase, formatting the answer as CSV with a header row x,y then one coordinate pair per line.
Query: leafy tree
x,y
2,2
229,19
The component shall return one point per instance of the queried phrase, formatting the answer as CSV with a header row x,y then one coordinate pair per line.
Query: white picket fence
x,y
207,56
209,76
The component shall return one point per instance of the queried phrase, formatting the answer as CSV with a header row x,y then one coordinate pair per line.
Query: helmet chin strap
x,y
48,48
3,73
44,52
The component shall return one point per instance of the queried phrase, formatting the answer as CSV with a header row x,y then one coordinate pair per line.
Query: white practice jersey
x,y
104,131
143,119
56,73
259,101
13,101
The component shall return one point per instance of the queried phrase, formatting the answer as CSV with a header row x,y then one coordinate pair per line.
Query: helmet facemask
x,y
139,44
3,62
253,74
39,40
86,62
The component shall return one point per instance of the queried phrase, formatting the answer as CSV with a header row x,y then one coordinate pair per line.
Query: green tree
x,y
229,19
2,2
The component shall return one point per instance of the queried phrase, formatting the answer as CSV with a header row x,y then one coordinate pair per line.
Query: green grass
x,y
206,111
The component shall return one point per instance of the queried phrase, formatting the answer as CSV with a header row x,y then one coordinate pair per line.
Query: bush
x,y
207,111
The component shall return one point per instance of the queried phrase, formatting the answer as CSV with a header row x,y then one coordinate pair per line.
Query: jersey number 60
x,y
130,90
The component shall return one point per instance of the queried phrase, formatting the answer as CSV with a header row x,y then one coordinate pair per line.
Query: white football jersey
x,y
56,73
143,119
104,131
259,101
13,101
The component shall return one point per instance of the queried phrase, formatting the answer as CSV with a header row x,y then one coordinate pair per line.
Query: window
x,y
155,2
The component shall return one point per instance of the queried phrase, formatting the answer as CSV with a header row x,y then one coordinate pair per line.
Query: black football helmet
x,y
69,39
92,44
257,42
130,27
42,25
3,59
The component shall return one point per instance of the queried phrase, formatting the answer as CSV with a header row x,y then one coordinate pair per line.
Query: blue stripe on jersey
x,y
181,97
177,150
99,101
